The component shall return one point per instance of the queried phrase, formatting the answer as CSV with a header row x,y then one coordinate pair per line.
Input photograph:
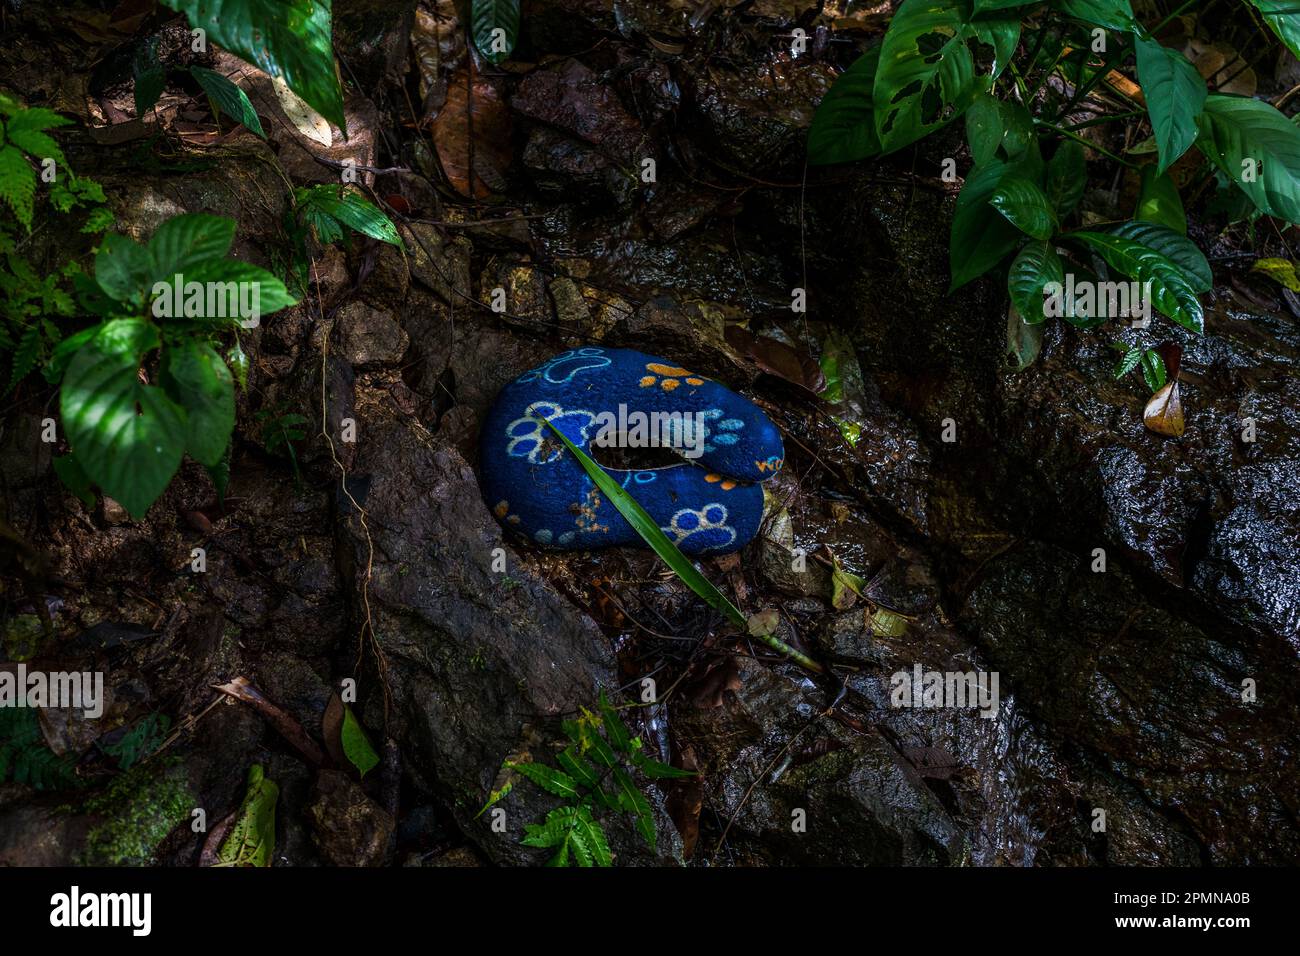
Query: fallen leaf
x,y
763,623
1164,412
331,730
1281,271
304,119
775,357
473,121
846,587
244,690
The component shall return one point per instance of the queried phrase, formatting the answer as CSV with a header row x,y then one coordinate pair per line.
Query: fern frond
x,y
17,184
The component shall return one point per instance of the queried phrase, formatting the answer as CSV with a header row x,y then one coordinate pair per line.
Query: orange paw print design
x,y
727,483
668,377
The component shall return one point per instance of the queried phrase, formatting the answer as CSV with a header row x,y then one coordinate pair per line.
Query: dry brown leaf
x,y
1164,412
242,689
474,116
304,119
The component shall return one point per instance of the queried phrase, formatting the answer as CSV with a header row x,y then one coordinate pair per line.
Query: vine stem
x,y
1091,145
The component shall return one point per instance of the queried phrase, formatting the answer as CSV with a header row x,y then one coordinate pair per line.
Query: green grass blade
x,y
663,546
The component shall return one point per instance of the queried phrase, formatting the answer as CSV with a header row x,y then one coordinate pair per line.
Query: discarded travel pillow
x,y
708,504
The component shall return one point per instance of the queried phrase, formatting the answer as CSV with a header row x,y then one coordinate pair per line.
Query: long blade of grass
x,y
663,546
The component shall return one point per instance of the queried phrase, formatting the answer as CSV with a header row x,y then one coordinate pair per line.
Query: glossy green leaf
x,y
1025,206
74,478
1172,245
356,745
1130,360
548,778
844,128
1171,290
1153,370
271,295
124,269
1024,341
984,128
285,38
495,27
978,240
229,98
354,211
195,377
1067,175
1283,18
128,437
1175,94
1257,148
1037,264
1159,202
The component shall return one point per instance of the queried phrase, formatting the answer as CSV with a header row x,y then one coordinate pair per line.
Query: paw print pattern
x,y
528,434
701,530
567,365
668,377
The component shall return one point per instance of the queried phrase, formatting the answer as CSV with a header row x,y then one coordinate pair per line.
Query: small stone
x,y
371,337
350,829
114,513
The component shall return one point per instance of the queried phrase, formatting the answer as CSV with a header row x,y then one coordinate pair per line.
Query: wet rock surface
x,y
375,559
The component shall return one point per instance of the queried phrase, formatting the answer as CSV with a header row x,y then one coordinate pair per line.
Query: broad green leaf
x,y
1067,175
1258,148
196,378
187,240
124,269
1025,206
548,778
251,841
285,38
354,211
268,291
1175,94
1283,18
926,74
1172,245
1037,264
1159,202
844,128
1002,35
150,77
1171,289
495,27
128,437
229,98
1112,14
356,745
979,240
983,6
984,128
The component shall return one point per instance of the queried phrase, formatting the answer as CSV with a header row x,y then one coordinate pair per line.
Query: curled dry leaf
x,y
474,122
794,365
242,689
1164,412
304,119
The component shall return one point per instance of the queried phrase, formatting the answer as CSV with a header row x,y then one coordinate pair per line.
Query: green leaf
x,y
1159,202
592,836
150,77
654,536
553,832
1175,94
1235,130
549,779
124,269
984,128
1112,14
1171,289
656,770
128,437
251,841
495,27
844,127
196,378
229,98
632,800
17,184
354,211
1024,341
1025,206
271,295
1173,246
982,6
978,240
24,356
1128,362
1281,17
1067,175
1153,370
1037,265
188,239
926,74
74,478
356,745
285,38
582,772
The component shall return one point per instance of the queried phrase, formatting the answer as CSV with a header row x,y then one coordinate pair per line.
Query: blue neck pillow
x,y
709,504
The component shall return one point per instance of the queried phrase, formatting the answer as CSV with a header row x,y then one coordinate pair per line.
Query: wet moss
x,y
140,808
